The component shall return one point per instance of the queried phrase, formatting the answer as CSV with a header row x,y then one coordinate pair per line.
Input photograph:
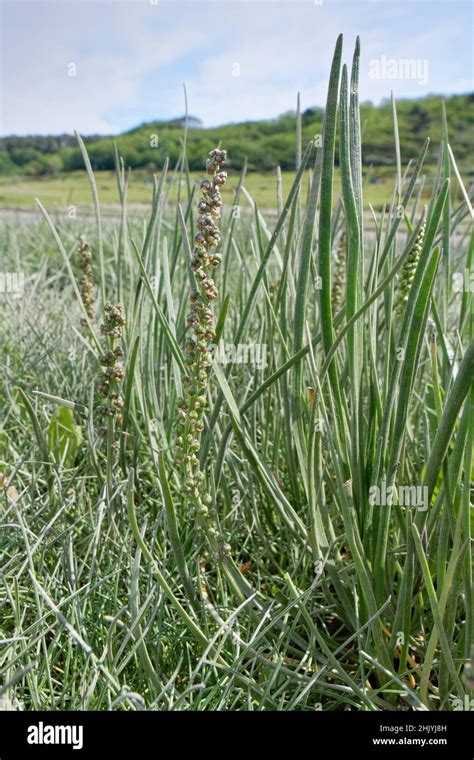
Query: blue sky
x,y
239,59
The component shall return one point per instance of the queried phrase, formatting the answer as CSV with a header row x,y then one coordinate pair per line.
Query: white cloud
x,y
132,57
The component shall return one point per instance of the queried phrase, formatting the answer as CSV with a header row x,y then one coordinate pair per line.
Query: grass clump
x,y
329,442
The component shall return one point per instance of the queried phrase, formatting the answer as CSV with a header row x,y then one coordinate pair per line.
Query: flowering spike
x,y
198,347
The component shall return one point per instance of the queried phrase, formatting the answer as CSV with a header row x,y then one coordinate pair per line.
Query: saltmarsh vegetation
x,y
331,485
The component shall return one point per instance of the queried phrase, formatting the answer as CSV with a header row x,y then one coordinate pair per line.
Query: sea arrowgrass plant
x,y
333,596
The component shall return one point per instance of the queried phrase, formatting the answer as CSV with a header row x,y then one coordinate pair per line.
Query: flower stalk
x,y
199,345
407,273
86,282
111,377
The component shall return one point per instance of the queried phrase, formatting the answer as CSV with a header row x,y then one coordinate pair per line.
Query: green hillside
x,y
264,144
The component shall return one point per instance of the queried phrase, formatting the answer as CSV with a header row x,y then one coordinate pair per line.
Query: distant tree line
x,y
262,144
